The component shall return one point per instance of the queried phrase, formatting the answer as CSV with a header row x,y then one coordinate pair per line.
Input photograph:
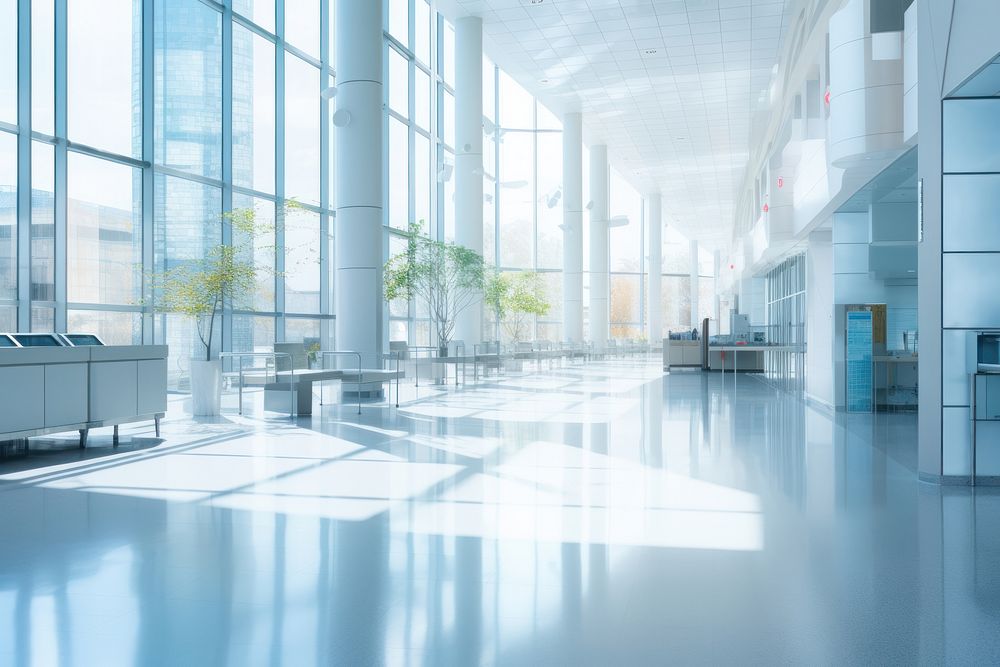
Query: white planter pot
x,y
206,388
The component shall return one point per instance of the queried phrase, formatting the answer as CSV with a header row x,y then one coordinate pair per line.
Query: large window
x,y
103,57
253,111
8,220
675,297
420,126
523,166
188,98
104,231
626,250
159,139
43,66
8,61
302,116
786,323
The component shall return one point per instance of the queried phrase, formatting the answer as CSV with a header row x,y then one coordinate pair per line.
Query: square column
x,y
572,227
469,159
654,293
599,261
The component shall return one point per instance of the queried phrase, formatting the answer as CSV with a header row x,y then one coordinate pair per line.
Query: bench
x,y
292,391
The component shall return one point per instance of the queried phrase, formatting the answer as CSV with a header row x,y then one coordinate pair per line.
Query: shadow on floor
x,y
65,448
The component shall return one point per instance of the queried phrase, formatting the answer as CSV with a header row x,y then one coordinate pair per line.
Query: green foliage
x,y
448,277
227,275
514,298
313,352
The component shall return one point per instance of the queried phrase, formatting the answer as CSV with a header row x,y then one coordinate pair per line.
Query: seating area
x,y
288,373
292,377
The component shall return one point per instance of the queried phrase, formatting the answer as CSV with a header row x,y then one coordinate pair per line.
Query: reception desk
x,y
681,353
743,358
55,389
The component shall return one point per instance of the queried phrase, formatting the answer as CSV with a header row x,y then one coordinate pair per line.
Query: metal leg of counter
x,y
83,437
114,438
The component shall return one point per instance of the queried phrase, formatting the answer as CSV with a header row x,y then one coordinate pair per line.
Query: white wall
x,y
955,39
819,318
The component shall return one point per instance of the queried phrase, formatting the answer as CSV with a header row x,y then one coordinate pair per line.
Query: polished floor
x,y
598,515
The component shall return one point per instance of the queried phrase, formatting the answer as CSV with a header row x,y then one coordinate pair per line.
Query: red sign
x,y
781,182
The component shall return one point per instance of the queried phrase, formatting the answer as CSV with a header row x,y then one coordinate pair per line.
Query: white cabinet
x,y
113,388
65,394
23,404
152,381
48,390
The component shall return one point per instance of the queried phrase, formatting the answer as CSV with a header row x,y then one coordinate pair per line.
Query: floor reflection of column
x,y
22,619
572,588
434,604
598,575
225,609
652,444
468,600
324,589
278,595
969,570
64,622
706,410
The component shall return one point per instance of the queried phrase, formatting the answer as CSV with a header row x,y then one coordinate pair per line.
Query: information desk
x,y
55,389
896,381
677,353
746,358
985,427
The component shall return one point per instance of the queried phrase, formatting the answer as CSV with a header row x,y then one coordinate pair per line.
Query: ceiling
x,y
986,83
670,85
896,184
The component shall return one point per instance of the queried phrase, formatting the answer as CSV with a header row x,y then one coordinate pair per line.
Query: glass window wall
x,y
158,142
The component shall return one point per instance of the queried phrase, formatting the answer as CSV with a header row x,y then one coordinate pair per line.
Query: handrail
x,y
416,359
344,353
240,356
476,353
393,354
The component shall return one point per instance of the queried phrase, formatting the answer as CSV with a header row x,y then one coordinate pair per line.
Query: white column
x,y
819,319
716,301
599,247
695,309
359,179
573,227
469,158
654,294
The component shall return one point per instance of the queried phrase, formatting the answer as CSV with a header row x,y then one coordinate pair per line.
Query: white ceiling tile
x,y
670,85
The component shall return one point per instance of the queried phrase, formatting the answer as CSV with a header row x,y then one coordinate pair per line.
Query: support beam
x,y
469,158
572,227
359,182
654,294
23,242
599,247
695,307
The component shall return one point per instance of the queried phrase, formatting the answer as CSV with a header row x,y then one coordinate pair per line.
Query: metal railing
x,y
239,357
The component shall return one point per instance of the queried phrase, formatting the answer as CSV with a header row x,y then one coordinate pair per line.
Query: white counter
x,y
53,389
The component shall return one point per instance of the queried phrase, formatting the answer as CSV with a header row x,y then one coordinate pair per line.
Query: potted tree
x,y
514,298
448,277
200,289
